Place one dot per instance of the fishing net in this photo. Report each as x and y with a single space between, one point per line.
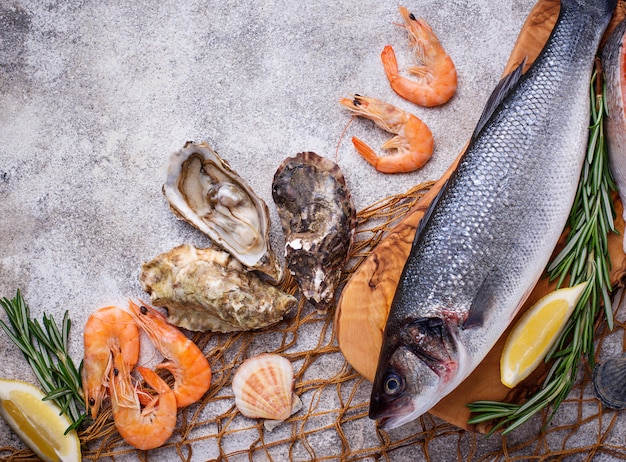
333 424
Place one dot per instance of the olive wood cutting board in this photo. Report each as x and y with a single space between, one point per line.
364 304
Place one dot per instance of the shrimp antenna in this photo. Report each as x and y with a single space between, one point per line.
343 133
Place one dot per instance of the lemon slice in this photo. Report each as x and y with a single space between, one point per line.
534 334
38 423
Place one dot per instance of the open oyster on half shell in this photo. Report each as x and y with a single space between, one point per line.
319 220
205 191
207 289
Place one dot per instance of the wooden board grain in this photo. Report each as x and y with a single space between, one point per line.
364 304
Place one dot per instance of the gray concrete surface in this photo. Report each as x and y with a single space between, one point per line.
95 95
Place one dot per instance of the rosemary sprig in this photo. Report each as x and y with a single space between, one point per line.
584 258
47 352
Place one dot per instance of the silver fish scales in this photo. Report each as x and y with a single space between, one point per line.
487 237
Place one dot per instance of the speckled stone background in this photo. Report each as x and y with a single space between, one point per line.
95 96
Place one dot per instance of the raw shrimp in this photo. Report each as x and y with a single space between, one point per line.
146 428
105 328
190 368
436 79
413 141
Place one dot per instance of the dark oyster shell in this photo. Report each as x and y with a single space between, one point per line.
609 382
319 220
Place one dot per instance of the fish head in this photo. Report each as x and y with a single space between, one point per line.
418 360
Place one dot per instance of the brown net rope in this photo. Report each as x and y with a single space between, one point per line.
333 424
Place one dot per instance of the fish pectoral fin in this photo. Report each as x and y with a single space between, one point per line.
500 92
479 307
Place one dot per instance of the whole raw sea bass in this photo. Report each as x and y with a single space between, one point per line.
487 237
614 65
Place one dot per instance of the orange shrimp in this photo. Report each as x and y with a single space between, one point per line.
148 428
413 141
435 72
105 328
185 361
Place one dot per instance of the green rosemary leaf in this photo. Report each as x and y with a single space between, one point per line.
37 331
608 311
67 324
592 144
565 252
15 339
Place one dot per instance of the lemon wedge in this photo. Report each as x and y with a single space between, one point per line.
38 423
535 333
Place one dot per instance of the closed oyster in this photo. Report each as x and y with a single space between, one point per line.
206 289
205 191
263 388
318 219
609 382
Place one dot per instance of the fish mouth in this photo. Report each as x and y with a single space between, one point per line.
388 423
404 410
393 414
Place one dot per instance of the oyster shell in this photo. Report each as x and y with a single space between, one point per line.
263 388
319 219
207 289
609 382
205 191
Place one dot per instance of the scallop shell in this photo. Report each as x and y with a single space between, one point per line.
263 388
207 289
205 191
609 382
319 220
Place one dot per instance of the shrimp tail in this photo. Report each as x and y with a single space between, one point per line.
365 151
153 380
390 64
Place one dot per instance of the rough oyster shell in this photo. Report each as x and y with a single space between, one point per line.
206 289
609 382
318 219
205 191
263 388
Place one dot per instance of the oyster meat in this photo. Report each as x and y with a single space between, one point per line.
207 289
319 220
205 191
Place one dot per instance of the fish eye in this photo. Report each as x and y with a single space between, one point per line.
143 309
393 384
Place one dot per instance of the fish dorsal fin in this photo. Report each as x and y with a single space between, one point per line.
499 93
429 211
